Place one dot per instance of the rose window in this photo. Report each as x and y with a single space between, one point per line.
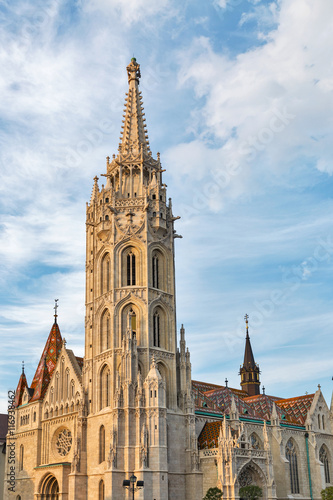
64 442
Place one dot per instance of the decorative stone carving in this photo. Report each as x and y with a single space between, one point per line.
64 442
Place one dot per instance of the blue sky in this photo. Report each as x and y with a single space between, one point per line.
238 100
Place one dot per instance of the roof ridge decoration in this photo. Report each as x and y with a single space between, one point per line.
134 134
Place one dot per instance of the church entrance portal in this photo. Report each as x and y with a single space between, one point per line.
49 488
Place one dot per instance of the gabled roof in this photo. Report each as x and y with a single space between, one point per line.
262 404
22 384
47 362
223 399
295 409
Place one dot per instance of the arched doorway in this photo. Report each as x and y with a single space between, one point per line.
252 474
49 488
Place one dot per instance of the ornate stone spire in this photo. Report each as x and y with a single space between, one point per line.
134 135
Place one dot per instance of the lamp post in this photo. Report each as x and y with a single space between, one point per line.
132 484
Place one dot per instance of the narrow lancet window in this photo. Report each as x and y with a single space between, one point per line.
291 456
323 457
131 269
156 330
101 444
155 272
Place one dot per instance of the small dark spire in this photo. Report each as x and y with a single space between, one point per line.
249 372
226 382
263 390
22 367
55 309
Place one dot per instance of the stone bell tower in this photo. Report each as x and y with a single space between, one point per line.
137 384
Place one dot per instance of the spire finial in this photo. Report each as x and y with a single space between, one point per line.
263 390
226 382
22 367
55 309
246 317
133 71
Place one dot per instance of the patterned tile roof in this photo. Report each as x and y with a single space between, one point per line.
47 362
262 404
20 389
223 398
209 435
295 409
42 384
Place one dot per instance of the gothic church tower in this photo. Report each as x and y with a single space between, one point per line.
137 386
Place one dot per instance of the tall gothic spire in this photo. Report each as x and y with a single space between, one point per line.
249 372
134 135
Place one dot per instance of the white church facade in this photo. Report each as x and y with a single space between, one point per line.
130 406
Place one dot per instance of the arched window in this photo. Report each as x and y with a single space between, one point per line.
323 457
67 383
318 421
155 271
255 441
131 271
291 456
105 331
323 421
21 458
156 329
105 273
101 444
105 388
101 490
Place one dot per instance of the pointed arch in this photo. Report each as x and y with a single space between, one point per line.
131 319
160 329
130 259
21 457
159 272
291 456
105 387
101 490
101 444
324 459
105 273
105 330
255 441
49 488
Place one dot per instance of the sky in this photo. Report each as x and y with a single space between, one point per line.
238 97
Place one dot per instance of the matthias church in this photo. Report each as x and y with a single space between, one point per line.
130 408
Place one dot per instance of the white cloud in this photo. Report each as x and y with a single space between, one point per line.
273 103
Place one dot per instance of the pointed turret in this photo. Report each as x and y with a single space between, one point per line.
134 135
20 388
249 372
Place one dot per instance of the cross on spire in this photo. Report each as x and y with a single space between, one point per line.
55 309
